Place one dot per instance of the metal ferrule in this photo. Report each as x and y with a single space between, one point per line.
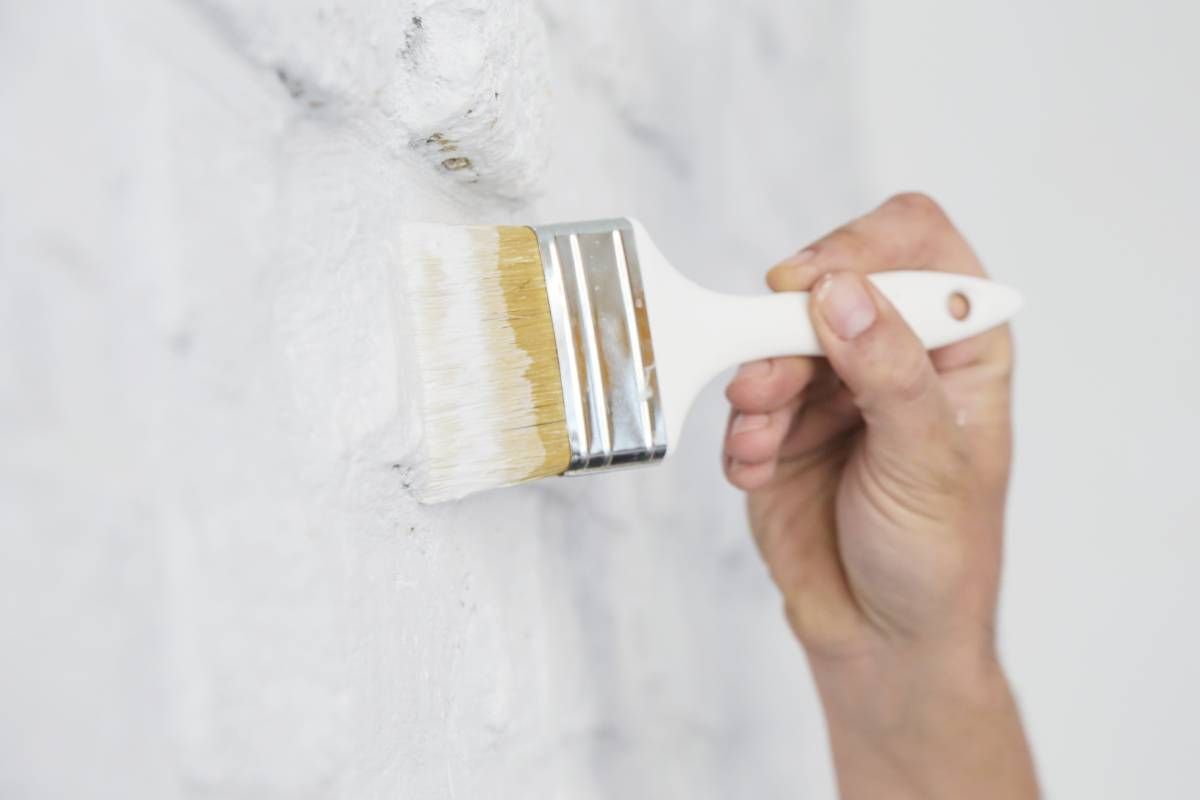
605 354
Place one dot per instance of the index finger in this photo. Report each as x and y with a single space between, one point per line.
909 231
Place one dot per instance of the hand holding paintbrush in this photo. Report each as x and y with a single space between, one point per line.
876 473
876 480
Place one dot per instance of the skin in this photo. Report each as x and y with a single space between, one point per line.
876 481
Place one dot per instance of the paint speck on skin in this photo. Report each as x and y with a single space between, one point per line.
960 418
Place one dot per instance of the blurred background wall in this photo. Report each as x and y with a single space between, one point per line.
214 581
1063 137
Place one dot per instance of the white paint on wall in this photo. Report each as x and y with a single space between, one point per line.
215 582
461 83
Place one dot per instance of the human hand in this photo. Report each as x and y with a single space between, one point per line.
876 482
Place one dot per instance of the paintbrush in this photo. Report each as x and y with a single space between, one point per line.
568 349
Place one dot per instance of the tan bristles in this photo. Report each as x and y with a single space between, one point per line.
491 390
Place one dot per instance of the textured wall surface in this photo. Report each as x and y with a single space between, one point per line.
214 581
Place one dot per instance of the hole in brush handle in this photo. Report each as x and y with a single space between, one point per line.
959 305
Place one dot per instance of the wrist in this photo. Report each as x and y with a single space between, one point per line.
882 687
926 722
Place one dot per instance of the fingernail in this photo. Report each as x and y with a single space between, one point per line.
845 304
748 422
754 369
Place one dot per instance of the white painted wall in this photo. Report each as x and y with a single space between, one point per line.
1063 137
214 583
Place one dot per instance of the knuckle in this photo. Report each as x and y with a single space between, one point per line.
919 207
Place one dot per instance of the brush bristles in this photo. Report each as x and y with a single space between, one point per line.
491 388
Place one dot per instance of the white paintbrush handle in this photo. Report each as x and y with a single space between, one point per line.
778 325
699 333
696 333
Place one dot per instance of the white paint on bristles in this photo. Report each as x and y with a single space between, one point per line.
478 422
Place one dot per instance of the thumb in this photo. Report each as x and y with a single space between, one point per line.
884 365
